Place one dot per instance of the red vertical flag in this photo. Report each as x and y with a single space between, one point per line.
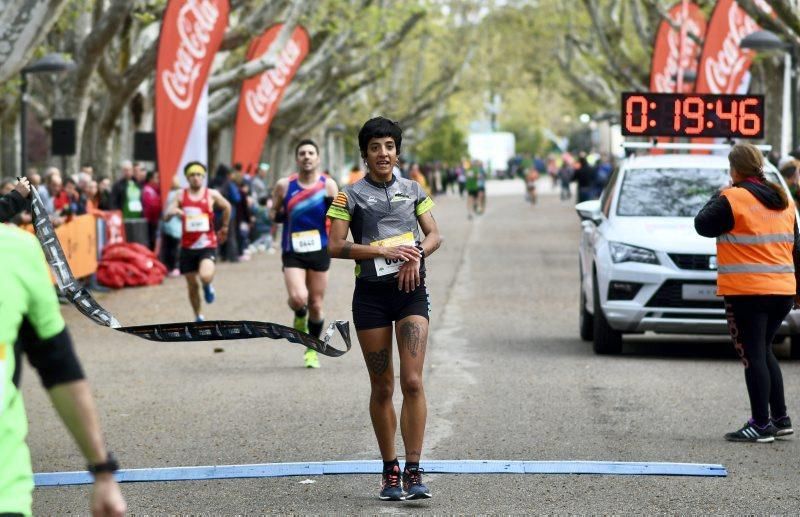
191 33
724 65
261 94
667 58
674 50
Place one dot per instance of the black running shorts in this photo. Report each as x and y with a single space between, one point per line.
189 261
314 260
378 304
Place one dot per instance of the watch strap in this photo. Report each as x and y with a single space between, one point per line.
110 465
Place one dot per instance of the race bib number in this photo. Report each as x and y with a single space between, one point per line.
196 220
134 205
384 266
306 242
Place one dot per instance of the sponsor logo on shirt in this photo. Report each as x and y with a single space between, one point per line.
400 197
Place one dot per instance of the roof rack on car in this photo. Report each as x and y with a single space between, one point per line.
685 146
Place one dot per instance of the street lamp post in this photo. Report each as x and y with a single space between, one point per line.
766 41
49 63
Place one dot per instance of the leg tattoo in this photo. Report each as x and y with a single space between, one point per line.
411 337
377 362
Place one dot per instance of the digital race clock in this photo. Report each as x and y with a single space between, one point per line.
692 115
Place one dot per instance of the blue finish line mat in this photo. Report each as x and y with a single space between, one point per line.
267 470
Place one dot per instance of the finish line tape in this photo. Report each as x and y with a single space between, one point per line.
169 332
269 470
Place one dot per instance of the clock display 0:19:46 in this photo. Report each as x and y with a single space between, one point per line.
693 115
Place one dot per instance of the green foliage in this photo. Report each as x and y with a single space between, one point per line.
444 142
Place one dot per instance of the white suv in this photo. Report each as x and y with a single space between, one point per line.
643 267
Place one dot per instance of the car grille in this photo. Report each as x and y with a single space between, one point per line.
670 295
693 262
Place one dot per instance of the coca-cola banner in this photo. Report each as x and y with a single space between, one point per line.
724 66
261 94
667 58
191 34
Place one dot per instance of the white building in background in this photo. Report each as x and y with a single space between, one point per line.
494 149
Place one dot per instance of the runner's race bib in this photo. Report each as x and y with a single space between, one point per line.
384 266
196 220
134 205
306 242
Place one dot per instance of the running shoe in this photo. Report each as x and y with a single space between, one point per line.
311 359
209 293
390 485
783 426
200 318
301 324
413 485
753 433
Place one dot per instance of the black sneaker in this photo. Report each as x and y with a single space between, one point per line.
390 485
783 426
753 433
413 485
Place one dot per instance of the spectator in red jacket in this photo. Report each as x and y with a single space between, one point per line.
151 206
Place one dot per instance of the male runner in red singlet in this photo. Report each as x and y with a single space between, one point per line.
196 205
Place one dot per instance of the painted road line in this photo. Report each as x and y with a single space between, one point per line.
265 470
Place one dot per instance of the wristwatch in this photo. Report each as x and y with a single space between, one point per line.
110 465
421 251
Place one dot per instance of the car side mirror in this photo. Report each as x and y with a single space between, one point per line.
590 211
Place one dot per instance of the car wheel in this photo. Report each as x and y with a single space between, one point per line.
607 341
794 349
586 320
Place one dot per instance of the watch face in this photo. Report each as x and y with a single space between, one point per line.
692 115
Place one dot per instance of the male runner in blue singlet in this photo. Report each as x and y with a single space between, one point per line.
300 202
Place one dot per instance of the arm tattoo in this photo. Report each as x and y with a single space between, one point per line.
411 338
377 362
346 247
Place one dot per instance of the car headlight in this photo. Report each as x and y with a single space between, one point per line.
627 253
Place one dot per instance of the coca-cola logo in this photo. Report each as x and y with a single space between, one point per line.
723 70
195 23
664 79
260 100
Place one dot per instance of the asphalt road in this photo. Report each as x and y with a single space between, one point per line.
507 378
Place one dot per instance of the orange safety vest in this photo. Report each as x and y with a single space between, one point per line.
755 257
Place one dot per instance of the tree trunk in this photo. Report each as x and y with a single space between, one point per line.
9 145
768 80
278 153
23 26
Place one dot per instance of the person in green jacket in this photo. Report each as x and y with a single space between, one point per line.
31 324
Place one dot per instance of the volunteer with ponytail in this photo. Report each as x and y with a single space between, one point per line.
758 262
198 255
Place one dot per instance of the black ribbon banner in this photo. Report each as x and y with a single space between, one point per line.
169 332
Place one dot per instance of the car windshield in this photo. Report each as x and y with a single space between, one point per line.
668 192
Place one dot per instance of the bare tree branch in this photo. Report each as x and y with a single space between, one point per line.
23 26
654 4
622 66
646 36
780 24
265 62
